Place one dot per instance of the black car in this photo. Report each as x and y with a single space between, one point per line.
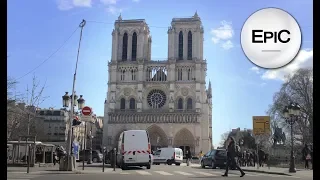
214 158
96 155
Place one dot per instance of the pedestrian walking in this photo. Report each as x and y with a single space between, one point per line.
188 156
231 154
306 155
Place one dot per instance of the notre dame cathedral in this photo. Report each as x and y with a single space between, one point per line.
168 98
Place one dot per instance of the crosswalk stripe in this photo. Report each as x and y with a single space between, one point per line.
163 173
124 173
143 172
17 179
251 175
183 173
205 174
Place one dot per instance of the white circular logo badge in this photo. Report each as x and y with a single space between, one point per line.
271 38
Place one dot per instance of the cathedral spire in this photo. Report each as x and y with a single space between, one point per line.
120 17
196 15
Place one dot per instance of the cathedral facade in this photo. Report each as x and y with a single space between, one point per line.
168 98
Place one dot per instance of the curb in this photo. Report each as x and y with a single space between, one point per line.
266 172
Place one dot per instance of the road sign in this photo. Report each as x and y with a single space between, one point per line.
86 111
261 125
86 118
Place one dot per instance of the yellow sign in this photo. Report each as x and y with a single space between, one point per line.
261 125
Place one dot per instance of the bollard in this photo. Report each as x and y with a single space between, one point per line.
28 159
103 158
114 159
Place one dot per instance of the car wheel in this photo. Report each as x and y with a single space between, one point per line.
202 164
95 160
213 166
169 162
177 164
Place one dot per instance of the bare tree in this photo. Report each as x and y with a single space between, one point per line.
297 88
22 119
224 138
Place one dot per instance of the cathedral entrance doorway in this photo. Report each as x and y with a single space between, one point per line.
157 136
185 140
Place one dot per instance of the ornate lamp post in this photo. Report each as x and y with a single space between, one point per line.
291 114
73 103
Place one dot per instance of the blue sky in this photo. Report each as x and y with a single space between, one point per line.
240 90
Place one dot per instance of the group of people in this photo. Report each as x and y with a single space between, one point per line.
251 158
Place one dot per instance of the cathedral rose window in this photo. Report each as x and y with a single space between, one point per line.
156 98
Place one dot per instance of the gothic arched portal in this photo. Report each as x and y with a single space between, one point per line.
158 137
184 139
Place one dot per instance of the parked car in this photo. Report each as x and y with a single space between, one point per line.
215 158
97 156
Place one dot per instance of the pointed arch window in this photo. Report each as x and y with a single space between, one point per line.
134 46
180 45
132 104
189 74
189 45
189 103
125 47
122 103
180 103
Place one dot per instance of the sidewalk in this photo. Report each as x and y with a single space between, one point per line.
279 171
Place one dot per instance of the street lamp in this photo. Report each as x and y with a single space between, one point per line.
291 114
66 103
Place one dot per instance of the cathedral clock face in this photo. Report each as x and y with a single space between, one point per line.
156 98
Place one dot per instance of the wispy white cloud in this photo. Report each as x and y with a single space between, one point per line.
114 10
70 4
223 35
304 59
108 2
256 70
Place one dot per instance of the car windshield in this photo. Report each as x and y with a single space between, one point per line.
157 153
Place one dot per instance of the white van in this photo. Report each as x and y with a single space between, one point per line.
168 156
134 149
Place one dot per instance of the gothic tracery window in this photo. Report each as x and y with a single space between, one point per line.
122 103
189 45
134 46
189 103
133 74
132 103
125 47
180 45
156 98
180 103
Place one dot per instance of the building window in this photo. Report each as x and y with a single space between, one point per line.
189 103
124 47
179 74
132 103
180 45
189 74
123 104
189 45
133 73
180 103
134 46
122 75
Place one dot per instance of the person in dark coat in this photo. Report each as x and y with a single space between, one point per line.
231 154
306 155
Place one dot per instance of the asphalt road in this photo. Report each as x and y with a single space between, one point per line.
156 172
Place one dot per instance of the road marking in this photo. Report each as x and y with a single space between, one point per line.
251 174
17 179
206 174
124 173
163 173
183 173
143 173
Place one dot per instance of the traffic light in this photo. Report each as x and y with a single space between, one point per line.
76 121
